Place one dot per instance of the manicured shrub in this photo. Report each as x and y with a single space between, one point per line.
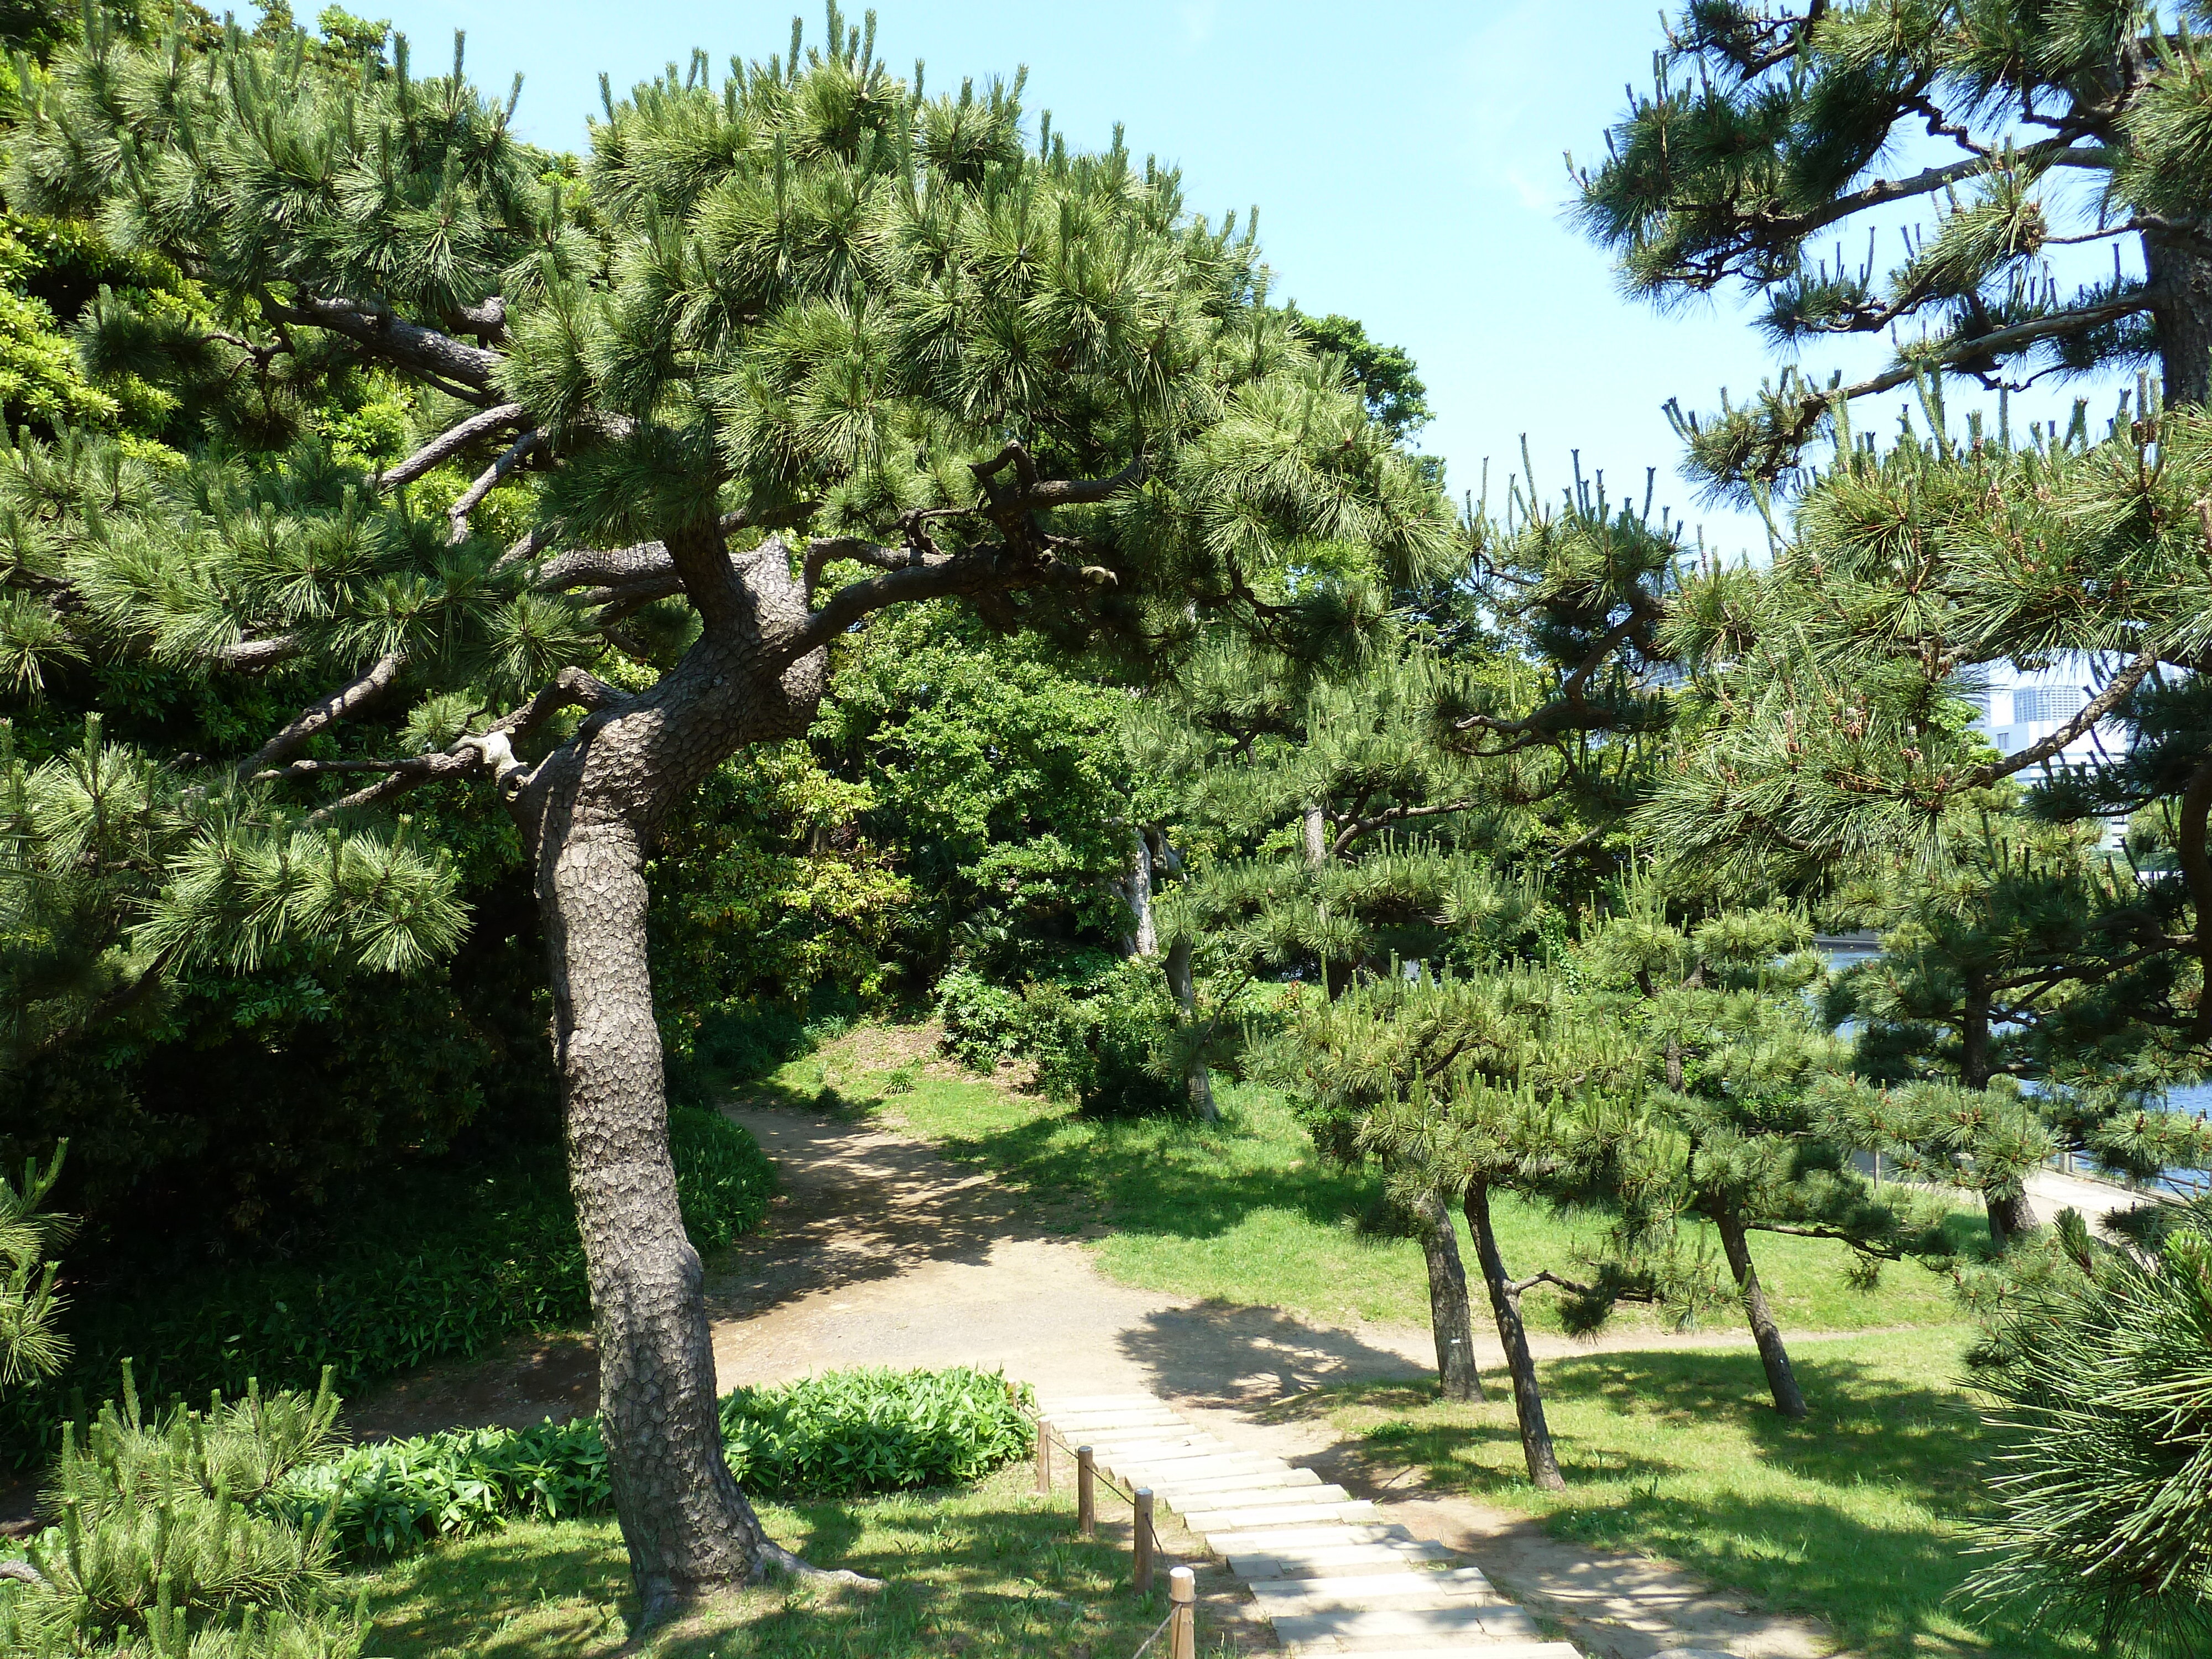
1100 1031
847 1432
837 1434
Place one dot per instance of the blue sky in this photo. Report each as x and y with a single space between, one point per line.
1407 159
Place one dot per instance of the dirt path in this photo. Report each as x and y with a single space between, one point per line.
879 1252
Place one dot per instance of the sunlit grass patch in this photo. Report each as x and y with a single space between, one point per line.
1859 1515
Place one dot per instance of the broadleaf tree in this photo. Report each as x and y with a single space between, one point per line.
790 348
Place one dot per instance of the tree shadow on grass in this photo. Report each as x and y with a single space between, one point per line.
570 1584
1864 1425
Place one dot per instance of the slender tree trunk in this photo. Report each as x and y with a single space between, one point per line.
2189 848
1780 1380
1451 1317
1505 1303
2180 271
2009 1216
1183 984
589 811
1144 938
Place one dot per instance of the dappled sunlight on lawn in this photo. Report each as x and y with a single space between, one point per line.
1246 1211
989 1571
1856 1514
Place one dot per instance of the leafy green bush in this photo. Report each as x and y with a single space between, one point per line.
836 1435
1107 1046
441 1266
390 1496
846 1432
1101 1031
723 1179
982 1021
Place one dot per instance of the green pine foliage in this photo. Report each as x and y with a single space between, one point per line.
32 1345
1774 132
165 1539
2099 1379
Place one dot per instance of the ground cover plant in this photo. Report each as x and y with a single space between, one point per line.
840 1434
1864 1514
1247 1211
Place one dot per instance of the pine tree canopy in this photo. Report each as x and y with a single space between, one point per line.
810 296
1771 127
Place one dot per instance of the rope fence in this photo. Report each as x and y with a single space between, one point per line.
1180 1626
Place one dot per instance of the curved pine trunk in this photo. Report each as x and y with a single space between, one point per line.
1781 1379
2010 1216
590 812
688 1528
1505 1303
1451 1316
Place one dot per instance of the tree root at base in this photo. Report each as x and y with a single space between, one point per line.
775 1559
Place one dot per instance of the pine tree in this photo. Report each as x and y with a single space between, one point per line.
787 351
1771 126
1747 1121
1466 1086
2098 1379
1836 746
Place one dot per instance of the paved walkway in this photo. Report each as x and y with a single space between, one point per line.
1324 1568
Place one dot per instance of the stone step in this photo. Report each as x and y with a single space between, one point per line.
1171 1486
1242 1466
1351 1631
1070 1422
1098 1402
1402 1588
1330 1559
1251 1498
1128 1440
1327 1536
1275 1514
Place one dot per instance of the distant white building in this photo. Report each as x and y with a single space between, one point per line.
2019 708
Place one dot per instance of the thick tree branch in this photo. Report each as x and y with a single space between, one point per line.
457 515
447 444
492 750
936 577
468 368
2123 684
251 656
1358 827
345 701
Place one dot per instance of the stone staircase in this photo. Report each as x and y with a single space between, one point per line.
1329 1576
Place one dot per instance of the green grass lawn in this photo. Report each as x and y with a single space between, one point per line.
1246 1211
992 1571
1856 1515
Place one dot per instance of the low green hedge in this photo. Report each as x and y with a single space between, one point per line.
838 1435
846 1432
441 1265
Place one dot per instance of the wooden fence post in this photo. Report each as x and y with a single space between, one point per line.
1141 1569
1086 1494
1044 1455
1182 1614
